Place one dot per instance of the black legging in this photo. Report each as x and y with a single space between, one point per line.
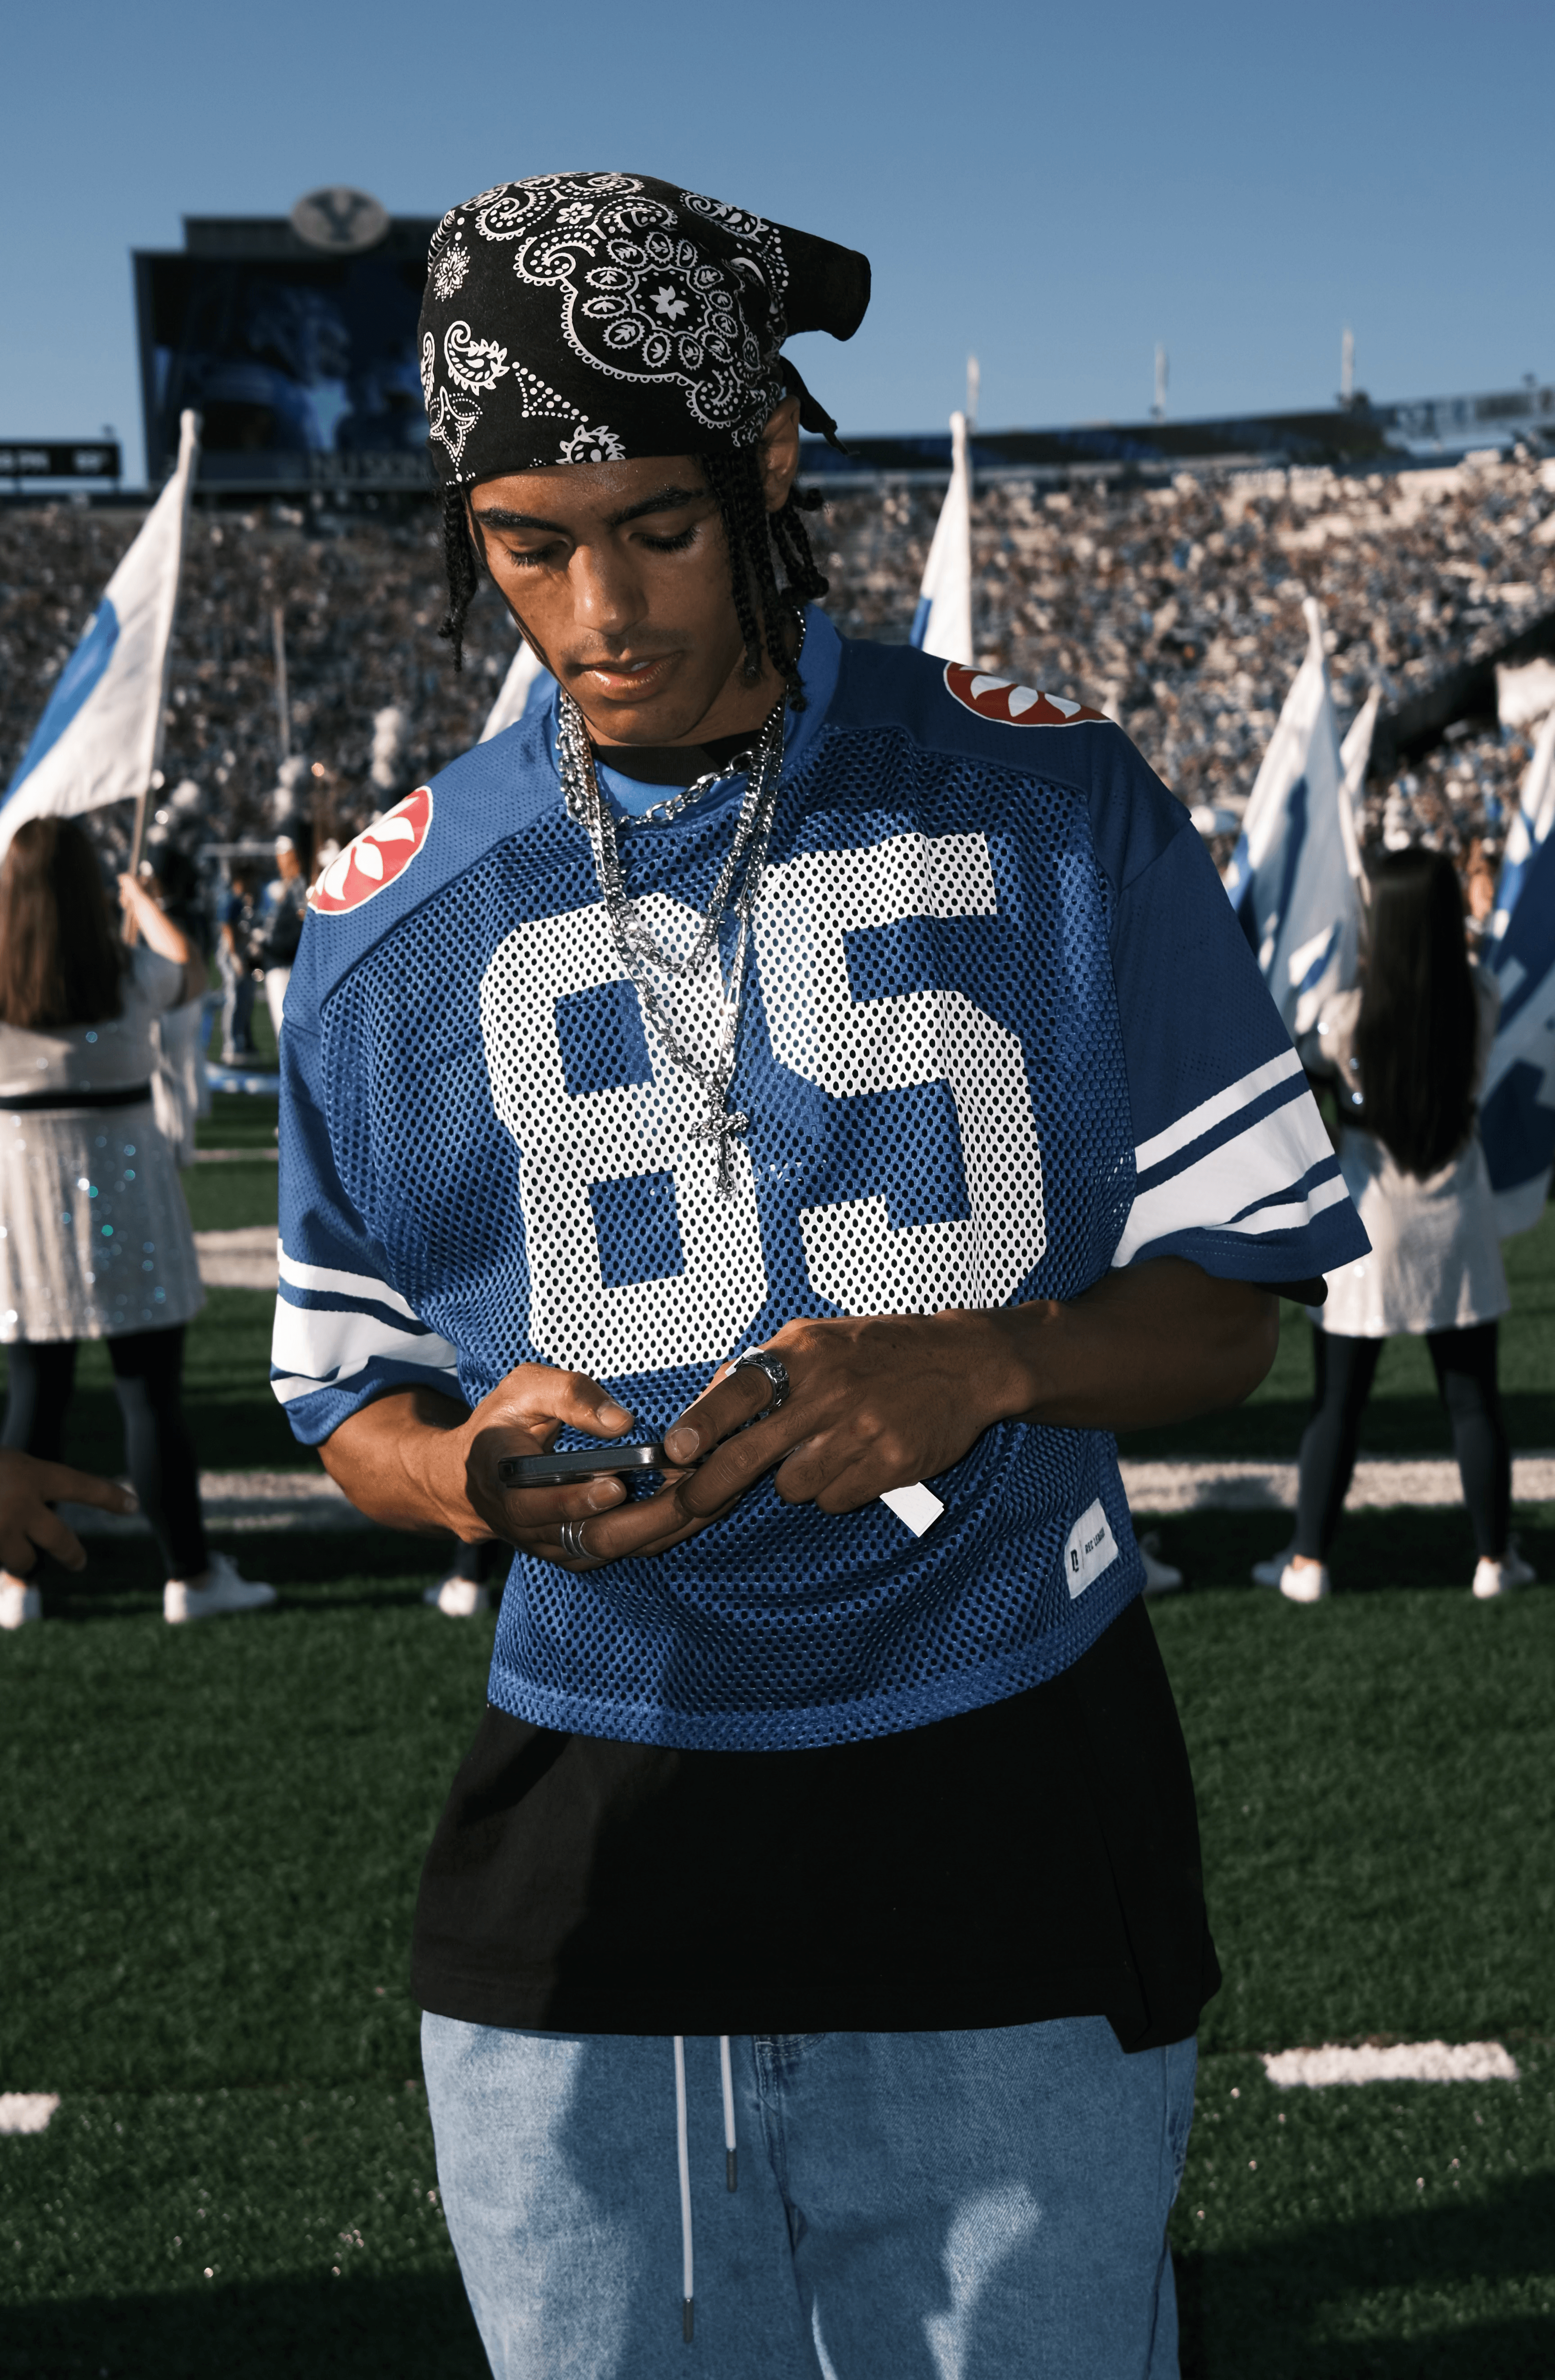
158 1450
1465 1374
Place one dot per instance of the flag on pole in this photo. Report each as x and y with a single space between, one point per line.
1517 1103
1529 829
942 625
100 736
526 686
1293 876
1355 758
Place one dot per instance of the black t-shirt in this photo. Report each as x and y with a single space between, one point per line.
1035 1859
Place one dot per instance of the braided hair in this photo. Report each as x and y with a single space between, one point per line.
758 540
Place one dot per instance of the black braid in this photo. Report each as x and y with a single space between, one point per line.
459 557
752 533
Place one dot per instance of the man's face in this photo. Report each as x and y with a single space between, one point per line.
288 864
619 574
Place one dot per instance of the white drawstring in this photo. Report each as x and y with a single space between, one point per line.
687 2271
683 2158
731 2150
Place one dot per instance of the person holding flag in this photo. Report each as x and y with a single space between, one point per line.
847 1068
1406 1052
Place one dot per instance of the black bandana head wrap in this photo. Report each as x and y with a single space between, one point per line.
595 317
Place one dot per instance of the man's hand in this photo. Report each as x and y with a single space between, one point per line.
418 1461
28 1487
876 1402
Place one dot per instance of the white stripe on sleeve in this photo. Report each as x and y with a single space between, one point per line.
325 1348
1290 1214
334 1283
1210 1113
1255 1168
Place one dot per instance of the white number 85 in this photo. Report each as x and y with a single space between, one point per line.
571 1143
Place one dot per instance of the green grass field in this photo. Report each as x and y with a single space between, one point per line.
214 1843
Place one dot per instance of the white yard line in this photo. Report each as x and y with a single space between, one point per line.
245 1258
1402 2062
1253 1487
280 1499
27 2111
242 1499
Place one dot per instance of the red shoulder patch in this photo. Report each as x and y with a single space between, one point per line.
381 853
1016 706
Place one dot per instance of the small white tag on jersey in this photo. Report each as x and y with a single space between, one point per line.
917 1507
1090 1548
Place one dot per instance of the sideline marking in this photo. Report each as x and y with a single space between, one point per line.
1403 2061
27 2111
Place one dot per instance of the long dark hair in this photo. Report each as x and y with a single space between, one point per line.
60 960
1414 1040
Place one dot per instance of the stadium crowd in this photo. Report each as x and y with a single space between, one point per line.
1177 609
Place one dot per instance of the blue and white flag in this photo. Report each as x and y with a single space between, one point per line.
526 686
942 624
1529 829
1293 876
101 732
1517 1103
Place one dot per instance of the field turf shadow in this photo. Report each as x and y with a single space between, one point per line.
388 2326
1256 2309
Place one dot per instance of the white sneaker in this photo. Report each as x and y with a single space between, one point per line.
1494 1578
18 1602
1305 1583
457 1598
1271 1573
1161 1578
223 1592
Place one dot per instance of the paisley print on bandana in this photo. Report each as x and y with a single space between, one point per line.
536 290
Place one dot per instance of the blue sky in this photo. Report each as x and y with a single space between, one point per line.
1056 188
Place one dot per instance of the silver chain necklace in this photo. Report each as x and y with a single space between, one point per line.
641 951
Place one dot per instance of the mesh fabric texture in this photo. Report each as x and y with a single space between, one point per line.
932 1063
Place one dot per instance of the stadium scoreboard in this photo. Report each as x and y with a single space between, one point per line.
294 338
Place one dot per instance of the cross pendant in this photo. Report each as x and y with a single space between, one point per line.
720 1125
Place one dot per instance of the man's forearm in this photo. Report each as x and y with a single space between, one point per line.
1153 1343
392 1459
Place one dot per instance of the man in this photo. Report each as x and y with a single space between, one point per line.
884 1028
285 907
235 957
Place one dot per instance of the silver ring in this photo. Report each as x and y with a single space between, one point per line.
772 1369
572 1540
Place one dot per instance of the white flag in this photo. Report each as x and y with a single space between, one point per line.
1529 829
526 686
101 732
1517 1101
942 625
1354 757
1289 877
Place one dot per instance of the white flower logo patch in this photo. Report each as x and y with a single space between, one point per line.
380 855
1015 705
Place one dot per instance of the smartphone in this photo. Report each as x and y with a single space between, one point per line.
584 1463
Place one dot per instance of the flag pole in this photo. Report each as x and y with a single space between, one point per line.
282 697
188 456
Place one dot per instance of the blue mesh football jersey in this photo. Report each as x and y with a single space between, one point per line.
1002 1031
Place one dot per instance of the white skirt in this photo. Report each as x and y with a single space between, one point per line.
95 1240
1436 1258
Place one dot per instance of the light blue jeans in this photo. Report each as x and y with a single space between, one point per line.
911 2205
